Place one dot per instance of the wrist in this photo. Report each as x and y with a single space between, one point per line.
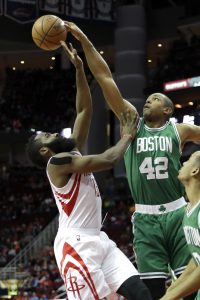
128 135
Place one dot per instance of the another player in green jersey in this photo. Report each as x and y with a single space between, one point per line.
152 165
189 281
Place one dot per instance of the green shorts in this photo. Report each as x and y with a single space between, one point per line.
159 243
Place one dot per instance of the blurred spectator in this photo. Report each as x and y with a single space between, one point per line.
33 98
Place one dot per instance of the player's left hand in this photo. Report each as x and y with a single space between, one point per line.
128 123
72 55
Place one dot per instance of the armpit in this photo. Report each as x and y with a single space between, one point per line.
60 160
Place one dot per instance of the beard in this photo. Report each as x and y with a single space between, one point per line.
61 144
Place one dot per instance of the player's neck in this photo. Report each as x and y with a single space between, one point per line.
155 123
193 192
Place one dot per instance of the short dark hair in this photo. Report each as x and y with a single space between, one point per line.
32 149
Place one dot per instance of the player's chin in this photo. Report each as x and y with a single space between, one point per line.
146 108
180 177
146 112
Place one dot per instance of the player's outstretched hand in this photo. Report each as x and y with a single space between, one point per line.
128 123
72 54
75 30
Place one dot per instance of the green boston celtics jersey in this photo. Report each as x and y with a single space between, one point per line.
191 226
152 164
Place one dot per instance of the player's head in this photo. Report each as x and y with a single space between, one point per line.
158 107
190 169
42 146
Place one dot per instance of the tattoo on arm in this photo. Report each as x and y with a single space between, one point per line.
60 160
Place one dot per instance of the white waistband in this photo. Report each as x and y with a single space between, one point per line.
161 208
70 231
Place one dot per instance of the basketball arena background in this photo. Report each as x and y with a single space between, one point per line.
150 46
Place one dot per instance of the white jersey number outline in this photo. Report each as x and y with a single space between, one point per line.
157 169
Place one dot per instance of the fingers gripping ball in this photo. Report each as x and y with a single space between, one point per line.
48 31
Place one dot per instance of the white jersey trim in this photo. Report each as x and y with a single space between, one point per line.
190 210
156 129
139 124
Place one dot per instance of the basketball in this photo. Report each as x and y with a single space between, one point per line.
48 31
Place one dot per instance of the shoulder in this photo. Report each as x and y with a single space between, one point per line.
181 126
182 129
185 127
188 132
64 157
59 169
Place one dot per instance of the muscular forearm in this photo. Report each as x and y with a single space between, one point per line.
83 95
96 63
116 153
102 74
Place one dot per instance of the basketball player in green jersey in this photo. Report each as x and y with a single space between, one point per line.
152 165
189 281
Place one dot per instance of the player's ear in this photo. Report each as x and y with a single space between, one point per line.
168 111
195 171
43 151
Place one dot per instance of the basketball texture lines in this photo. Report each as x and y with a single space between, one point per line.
48 31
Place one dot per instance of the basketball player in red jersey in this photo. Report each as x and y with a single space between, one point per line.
90 264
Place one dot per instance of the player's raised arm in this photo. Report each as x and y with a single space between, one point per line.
83 99
101 72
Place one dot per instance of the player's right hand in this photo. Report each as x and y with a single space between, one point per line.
75 30
128 123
